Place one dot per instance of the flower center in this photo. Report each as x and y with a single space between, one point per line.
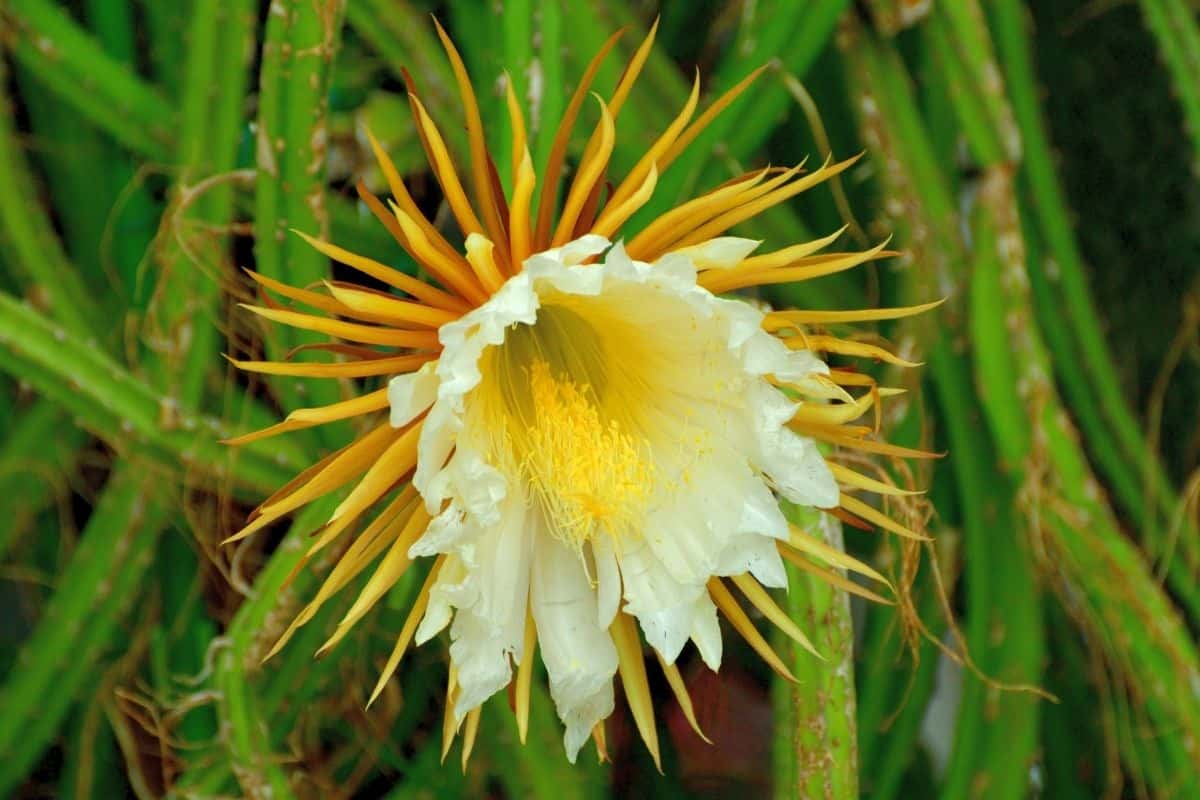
562 405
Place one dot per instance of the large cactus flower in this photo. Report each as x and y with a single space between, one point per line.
582 432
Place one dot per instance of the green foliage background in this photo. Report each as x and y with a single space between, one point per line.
1036 161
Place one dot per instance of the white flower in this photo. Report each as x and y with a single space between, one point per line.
583 439
601 436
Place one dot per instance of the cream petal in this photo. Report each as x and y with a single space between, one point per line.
579 655
582 249
437 614
706 632
676 274
443 533
755 554
473 483
488 633
760 512
662 605
465 339
799 472
687 532
794 463
798 366
409 395
722 252
743 321
437 440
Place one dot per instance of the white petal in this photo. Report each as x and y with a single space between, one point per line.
662 605
800 473
443 533
472 482
722 252
760 512
579 655
794 463
706 632
438 437
755 554
438 613
409 395
489 633
798 365
465 339
583 248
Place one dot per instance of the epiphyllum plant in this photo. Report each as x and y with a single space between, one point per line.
584 436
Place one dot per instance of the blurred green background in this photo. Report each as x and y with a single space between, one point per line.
1036 160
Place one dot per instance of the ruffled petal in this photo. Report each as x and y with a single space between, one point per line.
706 632
488 633
409 395
662 605
579 655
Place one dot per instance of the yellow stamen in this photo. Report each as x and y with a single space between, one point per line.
590 476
